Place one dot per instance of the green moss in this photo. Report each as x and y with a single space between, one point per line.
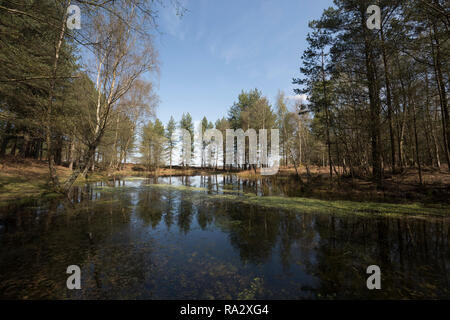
135 178
106 188
155 186
95 177
256 287
116 189
170 186
108 201
232 191
21 199
338 207
17 189
227 223
52 195
312 205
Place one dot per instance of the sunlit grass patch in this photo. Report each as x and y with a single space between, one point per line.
105 188
135 178
175 187
344 207
311 205
232 191
115 189
107 201
14 188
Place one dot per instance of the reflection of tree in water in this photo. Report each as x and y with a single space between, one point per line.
204 211
118 264
169 209
413 254
413 263
150 207
296 228
204 217
118 261
185 208
207 182
125 268
155 204
45 242
253 231
185 212
337 250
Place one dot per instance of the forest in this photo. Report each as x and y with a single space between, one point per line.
376 99
89 168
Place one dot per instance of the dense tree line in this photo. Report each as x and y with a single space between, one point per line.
74 96
379 97
376 99
251 111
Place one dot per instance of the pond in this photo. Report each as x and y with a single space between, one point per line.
219 237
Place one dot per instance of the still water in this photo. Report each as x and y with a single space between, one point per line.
192 238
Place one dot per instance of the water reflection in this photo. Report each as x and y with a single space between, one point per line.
182 238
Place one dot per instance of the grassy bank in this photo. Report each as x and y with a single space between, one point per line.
22 179
401 187
300 204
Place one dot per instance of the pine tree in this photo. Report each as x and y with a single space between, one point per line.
170 139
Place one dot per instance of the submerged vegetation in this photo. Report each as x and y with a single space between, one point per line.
357 110
29 180
184 238
295 204
89 175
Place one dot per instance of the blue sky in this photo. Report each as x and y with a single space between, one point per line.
219 48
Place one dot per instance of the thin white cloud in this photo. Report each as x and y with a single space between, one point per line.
298 97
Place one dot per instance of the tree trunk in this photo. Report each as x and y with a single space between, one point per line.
388 99
49 111
5 139
327 115
442 93
374 102
71 153
416 140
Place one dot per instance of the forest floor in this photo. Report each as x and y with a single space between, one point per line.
401 187
22 179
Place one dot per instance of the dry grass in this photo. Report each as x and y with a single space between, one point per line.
25 178
404 186
430 176
128 171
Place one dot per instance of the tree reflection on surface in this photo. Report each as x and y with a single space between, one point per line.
183 238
